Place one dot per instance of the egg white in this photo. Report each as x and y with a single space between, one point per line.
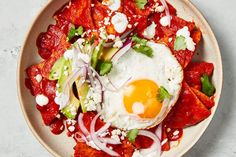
162 68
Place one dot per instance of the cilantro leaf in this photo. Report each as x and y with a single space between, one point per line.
138 40
163 94
141 46
141 3
132 134
104 67
207 87
180 43
146 50
75 32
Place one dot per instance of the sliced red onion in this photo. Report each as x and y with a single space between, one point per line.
81 124
122 37
96 141
167 11
121 52
103 128
91 77
109 140
158 131
156 146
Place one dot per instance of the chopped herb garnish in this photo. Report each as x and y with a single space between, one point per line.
132 134
141 3
104 67
163 94
75 32
141 46
180 43
207 87
146 50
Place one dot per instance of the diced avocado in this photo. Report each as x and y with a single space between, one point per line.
97 54
56 71
83 92
70 111
61 81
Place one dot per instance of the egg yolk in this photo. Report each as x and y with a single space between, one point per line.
140 98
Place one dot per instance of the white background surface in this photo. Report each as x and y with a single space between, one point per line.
16 140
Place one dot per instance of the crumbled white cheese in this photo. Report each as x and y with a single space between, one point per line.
103 33
38 78
138 108
189 41
165 21
129 26
118 43
164 141
93 99
41 100
120 22
61 100
112 37
106 21
70 122
176 132
115 134
150 31
71 128
113 5
159 9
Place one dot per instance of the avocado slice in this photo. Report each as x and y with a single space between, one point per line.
82 93
61 81
108 52
97 54
56 70
70 111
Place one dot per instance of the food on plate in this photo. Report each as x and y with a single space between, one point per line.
118 75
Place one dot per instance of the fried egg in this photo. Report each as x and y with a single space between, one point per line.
135 105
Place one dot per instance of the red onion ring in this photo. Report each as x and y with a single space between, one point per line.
96 141
121 52
81 124
122 37
156 146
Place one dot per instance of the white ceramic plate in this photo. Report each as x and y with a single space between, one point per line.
62 146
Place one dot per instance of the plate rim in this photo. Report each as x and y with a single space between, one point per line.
19 84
